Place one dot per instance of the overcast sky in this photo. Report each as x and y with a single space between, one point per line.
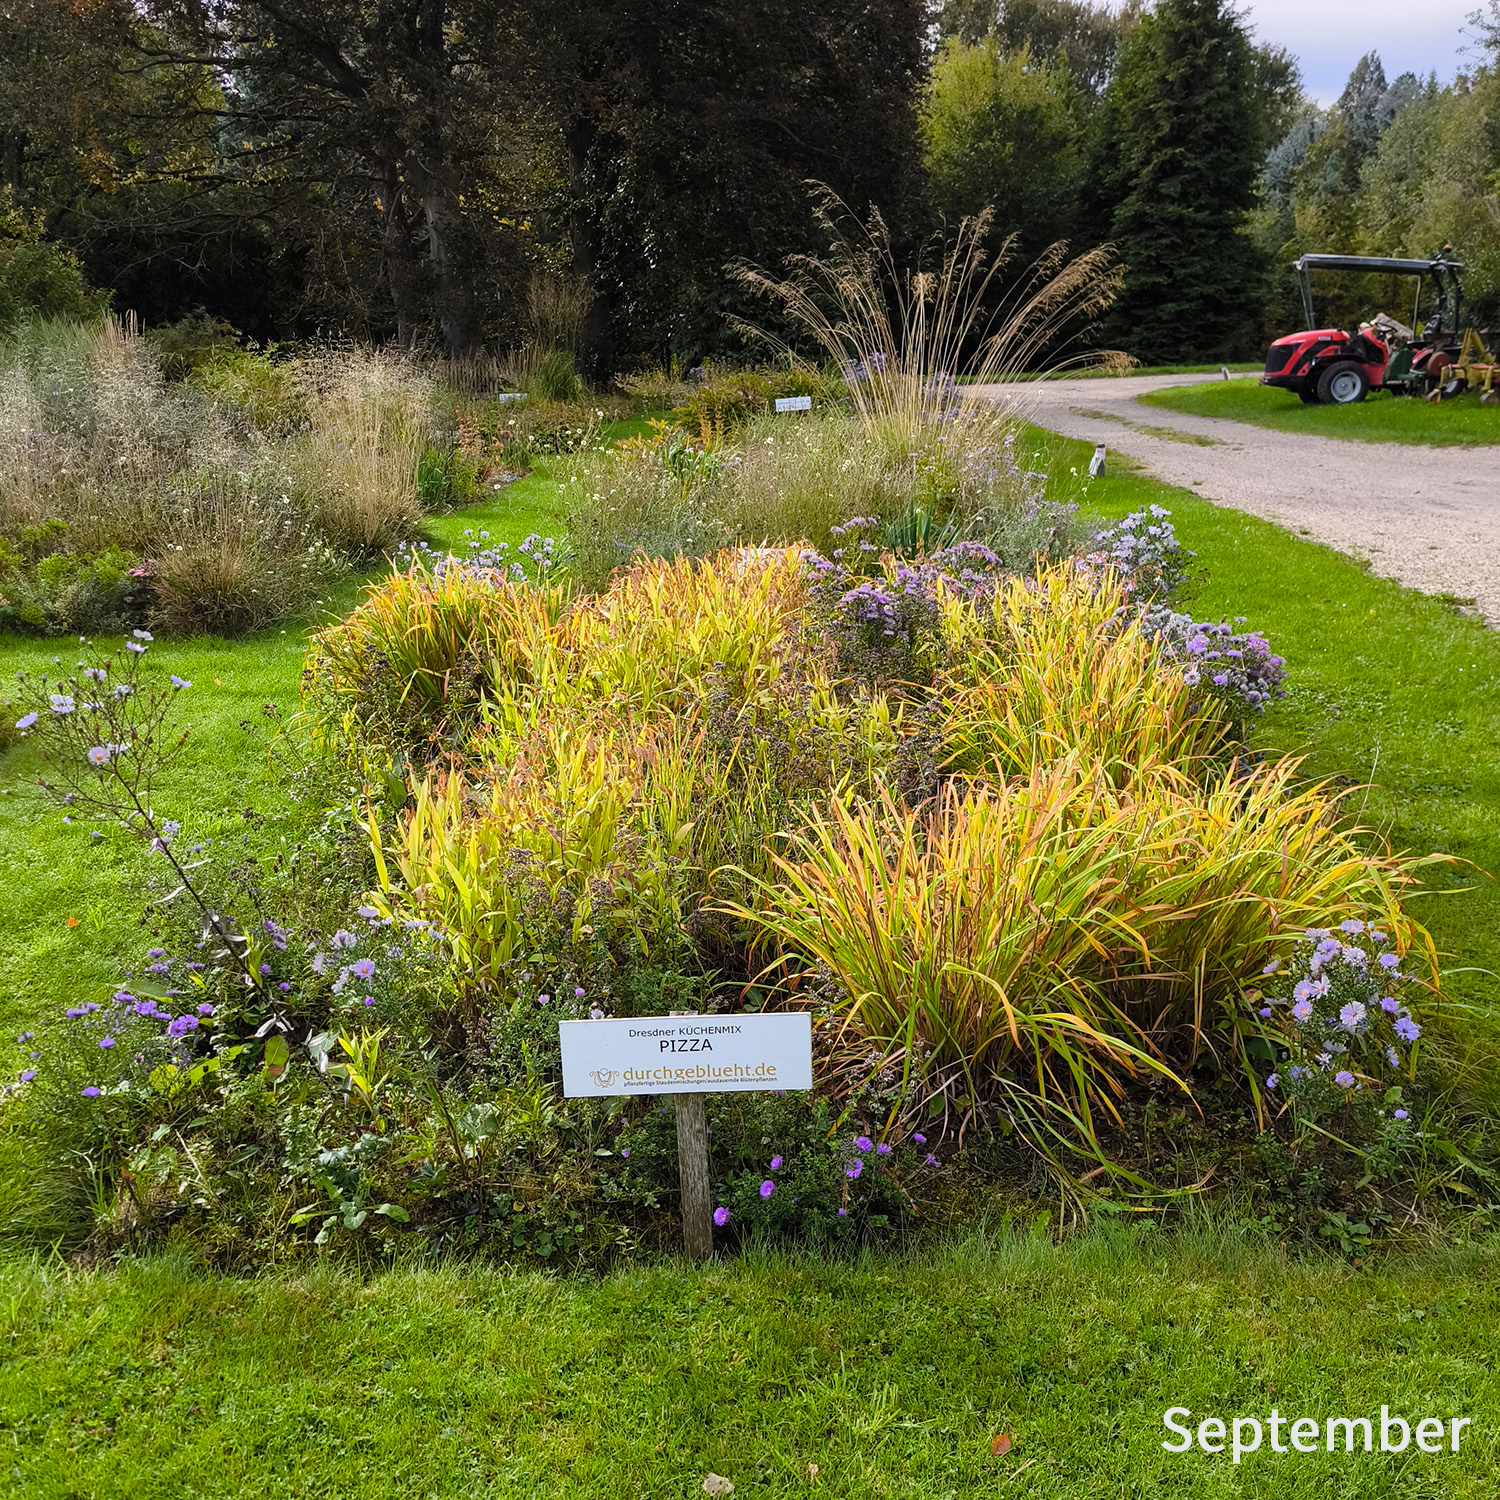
1330 36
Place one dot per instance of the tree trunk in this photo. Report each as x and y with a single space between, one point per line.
403 273
452 271
595 340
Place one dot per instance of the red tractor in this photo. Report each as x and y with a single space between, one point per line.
1332 366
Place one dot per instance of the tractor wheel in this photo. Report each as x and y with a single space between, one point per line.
1342 384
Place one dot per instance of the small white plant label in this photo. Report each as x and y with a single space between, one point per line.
687 1054
794 403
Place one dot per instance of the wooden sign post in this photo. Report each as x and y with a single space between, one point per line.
687 1056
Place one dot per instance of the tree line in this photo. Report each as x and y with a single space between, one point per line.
465 174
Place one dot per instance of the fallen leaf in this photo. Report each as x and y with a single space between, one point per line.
1001 1445
812 1472
717 1484
72 921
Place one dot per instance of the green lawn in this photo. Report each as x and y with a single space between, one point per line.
1377 419
891 1375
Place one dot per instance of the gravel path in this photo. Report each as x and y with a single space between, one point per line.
1428 517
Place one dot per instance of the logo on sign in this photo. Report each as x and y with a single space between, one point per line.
603 1077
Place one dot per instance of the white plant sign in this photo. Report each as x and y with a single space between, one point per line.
686 1054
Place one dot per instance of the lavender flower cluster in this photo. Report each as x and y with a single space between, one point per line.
859 1153
1239 668
881 618
1343 1020
532 559
371 964
1144 550
111 1049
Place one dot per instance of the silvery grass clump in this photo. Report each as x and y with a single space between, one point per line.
1349 1030
222 522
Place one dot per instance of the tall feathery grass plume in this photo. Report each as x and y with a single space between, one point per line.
906 334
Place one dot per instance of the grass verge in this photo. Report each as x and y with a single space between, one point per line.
1378 419
890 1376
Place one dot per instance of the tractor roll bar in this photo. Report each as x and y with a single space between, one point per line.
1444 273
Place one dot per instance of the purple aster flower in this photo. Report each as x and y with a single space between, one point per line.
1389 1004
861 1143
106 1042
91 1092
1389 960
1272 967
1272 1079
853 1169
363 968
26 721
578 992
370 913
180 682
24 1037
1399 1114
369 1000
721 1217
932 1161
921 1140
1344 1079
60 703
1352 926
343 938
1265 1012
1393 1057
1351 1015
182 1025
843 1213
775 1163
1302 1010
285 986
767 1188
1407 1029
205 1009
27 1074
98 755
625 1152
882 1149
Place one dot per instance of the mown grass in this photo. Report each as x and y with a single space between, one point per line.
888 1376
1377 419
